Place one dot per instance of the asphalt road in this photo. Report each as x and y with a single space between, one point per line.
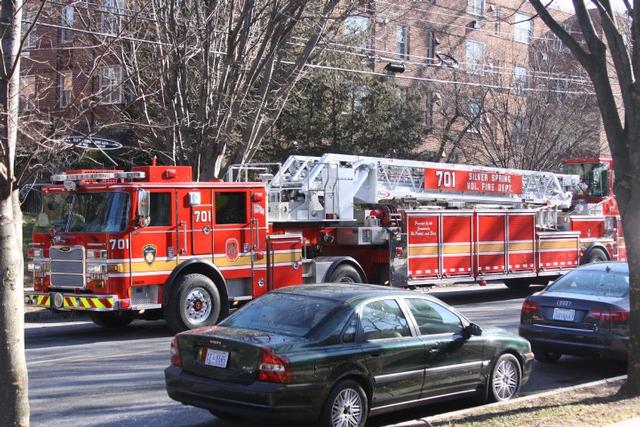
81 375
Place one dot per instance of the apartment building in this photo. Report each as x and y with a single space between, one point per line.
466 56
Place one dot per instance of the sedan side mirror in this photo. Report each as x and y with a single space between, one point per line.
472 329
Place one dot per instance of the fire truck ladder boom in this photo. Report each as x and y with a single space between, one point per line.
308 188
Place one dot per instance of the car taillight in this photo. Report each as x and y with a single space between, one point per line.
609 315
273 368
530 307
176 359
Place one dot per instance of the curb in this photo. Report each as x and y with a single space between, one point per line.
427 421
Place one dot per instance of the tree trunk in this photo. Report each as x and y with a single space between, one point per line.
13 366
631 226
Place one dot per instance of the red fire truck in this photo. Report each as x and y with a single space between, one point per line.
153 243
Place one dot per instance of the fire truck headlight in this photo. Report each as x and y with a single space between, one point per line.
36 252
96 268
33 267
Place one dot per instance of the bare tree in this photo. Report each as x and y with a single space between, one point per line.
13 367
602 38
219 73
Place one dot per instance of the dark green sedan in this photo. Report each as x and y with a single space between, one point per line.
337 353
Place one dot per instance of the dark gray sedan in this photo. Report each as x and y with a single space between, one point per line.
583 313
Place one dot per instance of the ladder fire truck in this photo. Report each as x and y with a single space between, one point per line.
153 243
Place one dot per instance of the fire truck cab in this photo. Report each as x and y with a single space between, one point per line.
152 242
594 212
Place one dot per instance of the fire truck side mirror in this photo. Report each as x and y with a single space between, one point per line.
144 204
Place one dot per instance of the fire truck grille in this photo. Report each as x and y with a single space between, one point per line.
67 266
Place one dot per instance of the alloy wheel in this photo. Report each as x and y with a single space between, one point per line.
346 410
506 379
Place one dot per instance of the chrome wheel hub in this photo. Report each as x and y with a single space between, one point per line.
197 307
505 380
346 410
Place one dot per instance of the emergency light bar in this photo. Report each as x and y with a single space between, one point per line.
99 176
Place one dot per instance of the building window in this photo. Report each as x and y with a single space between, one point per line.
112 11
358 31
28 93
428 112
111 85
432 42
523 30
518 130
520 78
496 19
32 39
68 18
402 42
65 88
473 115
475 7
475 57
561 88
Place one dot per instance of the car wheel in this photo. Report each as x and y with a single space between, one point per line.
112 319
194 302
347 406
505 378
345 274
547 356
596 255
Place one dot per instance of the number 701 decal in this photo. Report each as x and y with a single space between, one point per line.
119 243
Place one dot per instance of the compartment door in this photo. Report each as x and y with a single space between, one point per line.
284 262
457 244
521 247
423 245
490 244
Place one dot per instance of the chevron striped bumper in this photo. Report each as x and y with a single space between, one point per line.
61 301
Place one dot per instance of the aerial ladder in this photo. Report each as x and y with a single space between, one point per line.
331 187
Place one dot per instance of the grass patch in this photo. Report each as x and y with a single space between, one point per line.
593 406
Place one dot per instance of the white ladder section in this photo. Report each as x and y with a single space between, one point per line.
307 188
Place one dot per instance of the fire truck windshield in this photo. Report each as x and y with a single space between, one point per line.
104 212
594 178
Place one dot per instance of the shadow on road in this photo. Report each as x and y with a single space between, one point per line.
87 333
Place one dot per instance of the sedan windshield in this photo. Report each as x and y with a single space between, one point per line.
281 313
600 283
105 212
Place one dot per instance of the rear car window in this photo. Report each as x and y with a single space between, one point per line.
601 283
281 313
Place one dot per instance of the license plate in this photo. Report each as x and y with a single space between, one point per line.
565 314
216 358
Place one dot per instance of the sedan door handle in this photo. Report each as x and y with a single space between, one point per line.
377 354
435 347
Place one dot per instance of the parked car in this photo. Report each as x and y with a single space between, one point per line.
339 352
583 313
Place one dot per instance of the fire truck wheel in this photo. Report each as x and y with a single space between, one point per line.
112 319
345 274
194 302
596 255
